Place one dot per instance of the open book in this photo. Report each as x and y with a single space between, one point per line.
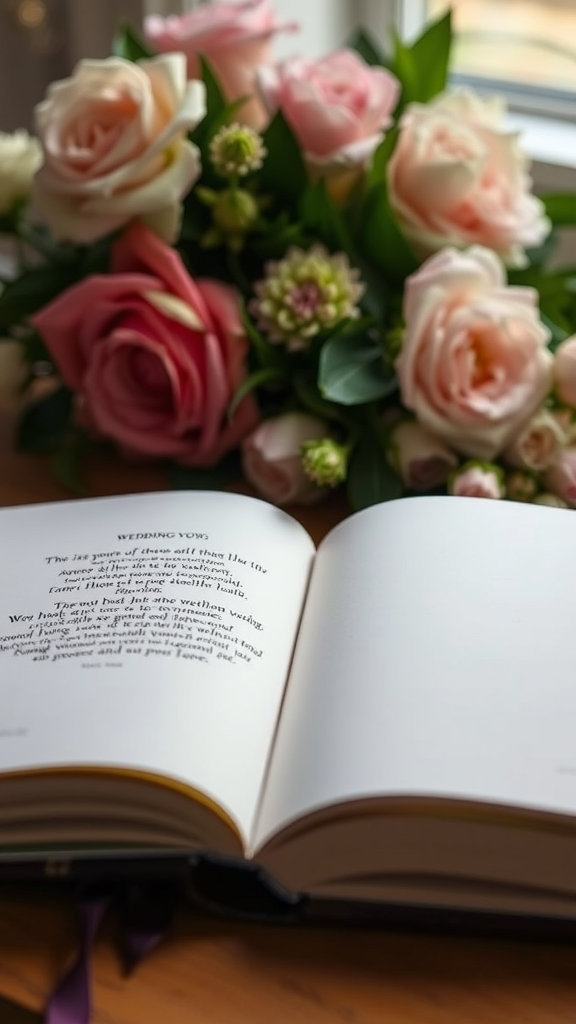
390 718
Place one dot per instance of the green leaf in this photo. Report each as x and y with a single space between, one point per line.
366 46
266 354
561 208
254 380
559 334
309 397
422 68
404 67
44 423
351 371
216 107
431 58
370 479
381 239
377 172
128 45
323 219
283 174
32 290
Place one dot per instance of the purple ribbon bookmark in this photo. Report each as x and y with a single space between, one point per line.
71 1001
146 917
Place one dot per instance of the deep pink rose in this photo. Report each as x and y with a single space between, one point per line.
458 177
474 364
155 356
234 37
338 106
272 461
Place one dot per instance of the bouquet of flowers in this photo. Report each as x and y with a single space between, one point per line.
315 272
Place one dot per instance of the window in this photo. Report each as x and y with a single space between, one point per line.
528 47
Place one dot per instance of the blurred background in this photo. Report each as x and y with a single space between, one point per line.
524 47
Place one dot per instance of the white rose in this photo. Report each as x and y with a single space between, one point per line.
115 147
20 158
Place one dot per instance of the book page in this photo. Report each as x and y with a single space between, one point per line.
436 657
151 632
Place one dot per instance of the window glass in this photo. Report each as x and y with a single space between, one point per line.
529 43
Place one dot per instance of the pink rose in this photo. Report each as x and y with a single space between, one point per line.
474 364
477 481
115 146
538 443
565 371
337 107
456 177
561 477
421 459
155 356
272 462
234 37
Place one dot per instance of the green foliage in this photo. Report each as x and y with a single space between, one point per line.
352 372
283 175
45 422
32 290
370 479
321 219
366 46
561 208
128 45
422 68
380 238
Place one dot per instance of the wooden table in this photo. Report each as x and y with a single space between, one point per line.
214 972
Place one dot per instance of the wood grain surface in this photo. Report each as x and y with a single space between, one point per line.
212 972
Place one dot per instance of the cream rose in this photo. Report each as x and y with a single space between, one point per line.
538 443
560 479
457 177
115 147
272 461
20 158
420 458
474 364
565 371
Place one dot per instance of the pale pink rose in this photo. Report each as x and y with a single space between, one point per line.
538 443
474 364
235 38
338 106
565 371
422 461
115 146
561 477
458 177
477 482
271 458
154 356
